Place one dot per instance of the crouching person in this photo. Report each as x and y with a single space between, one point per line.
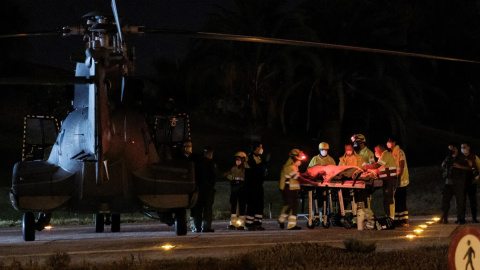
290 180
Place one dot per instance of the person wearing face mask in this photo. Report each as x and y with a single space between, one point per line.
238 198
255 175
359 145
322 159
401 210
471 182
456 169
350 158
387 171
290 180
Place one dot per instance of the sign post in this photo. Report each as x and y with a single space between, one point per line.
464 250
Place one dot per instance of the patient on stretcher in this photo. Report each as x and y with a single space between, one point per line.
331 172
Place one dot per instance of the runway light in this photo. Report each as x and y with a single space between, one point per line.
436 219
167 247
418 231
430 222
410 236
423 226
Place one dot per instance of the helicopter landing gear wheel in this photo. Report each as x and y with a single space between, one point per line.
181 221
115 223
99 223
28 229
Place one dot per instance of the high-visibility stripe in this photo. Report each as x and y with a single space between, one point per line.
294 185
259 216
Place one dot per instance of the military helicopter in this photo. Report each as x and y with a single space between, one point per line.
104 159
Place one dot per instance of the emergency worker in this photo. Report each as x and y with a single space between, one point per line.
238 196
401 210
387 171
359 144
205 176
290 180
255 175
456 169
471 182
322 159
187 150
350 158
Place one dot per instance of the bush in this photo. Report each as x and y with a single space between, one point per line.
354 245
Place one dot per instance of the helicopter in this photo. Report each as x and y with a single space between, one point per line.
106 158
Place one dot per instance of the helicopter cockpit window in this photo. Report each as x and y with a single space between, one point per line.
40 133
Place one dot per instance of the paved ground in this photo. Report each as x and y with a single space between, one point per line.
146 240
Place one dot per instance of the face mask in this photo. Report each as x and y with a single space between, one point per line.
464 151
260 151
238 162
298 163
349 153
377 155
389 145
323 153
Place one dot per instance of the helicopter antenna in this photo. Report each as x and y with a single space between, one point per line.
117 21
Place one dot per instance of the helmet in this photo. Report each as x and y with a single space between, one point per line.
358 138
241 155
297 155
323 145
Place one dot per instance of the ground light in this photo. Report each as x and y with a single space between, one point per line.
436 219
423 226
418 231
430 222
48 227
167 247
410 236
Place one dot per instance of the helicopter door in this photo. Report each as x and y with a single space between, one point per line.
170 132
39 135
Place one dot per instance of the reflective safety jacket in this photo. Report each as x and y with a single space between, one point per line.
353 160
399 155
289 176
388 166
237 176
367 155
321 161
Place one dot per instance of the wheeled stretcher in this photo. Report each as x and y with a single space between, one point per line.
338 181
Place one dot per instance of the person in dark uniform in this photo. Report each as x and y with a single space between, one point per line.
205 177
456 169
471 187
254 177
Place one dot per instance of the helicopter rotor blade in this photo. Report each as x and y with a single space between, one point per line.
256 39
117 21
31 34
46 81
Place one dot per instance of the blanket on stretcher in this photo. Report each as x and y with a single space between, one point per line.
331 172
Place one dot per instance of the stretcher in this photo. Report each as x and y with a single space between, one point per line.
335 183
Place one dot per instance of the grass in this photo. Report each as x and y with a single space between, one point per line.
423 197
281 256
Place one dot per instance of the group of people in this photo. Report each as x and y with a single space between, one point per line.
391 167
461 173
248 174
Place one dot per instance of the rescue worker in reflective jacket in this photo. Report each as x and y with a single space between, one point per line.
254 177
290 180
401 210
322 159
238 196
350 158
359 145
387 171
